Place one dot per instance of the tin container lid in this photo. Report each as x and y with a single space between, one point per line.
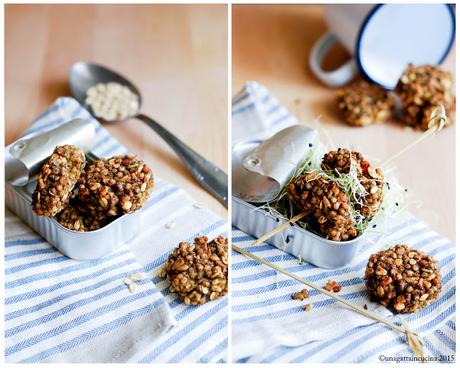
24 158
261 169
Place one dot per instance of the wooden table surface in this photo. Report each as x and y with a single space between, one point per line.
271 45
176 55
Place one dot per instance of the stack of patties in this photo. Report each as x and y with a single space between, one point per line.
87 198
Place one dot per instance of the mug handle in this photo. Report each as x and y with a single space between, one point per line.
334 78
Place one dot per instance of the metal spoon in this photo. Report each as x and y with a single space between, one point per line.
84 75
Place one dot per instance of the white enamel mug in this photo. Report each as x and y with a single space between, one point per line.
383 40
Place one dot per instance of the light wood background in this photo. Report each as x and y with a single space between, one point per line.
271 45
175 54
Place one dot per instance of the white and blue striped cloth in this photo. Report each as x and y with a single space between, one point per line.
269 327
61 310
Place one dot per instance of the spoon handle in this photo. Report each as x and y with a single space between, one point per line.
213 179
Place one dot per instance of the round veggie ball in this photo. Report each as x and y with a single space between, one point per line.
403 279
363 103
198 272
57 179
71 219
326 203
114 186
339 162
421 89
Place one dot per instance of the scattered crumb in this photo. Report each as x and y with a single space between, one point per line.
365 306
136 277
131 281
198 205
332 285
308 307
301 295
132 288
170 224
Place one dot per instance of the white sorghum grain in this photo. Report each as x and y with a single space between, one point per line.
112 101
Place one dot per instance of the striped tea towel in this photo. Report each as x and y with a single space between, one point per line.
60 310
268 326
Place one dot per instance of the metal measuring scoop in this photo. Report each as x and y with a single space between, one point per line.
209 176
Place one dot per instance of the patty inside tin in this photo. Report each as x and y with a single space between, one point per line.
86 195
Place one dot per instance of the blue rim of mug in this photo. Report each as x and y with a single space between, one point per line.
363 27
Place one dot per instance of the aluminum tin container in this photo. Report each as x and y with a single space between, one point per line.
25 157
260 169
73 244
77 245
294 240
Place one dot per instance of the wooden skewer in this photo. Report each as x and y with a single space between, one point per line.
437 121
279 228
414 341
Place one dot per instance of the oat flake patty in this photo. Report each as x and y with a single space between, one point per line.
73 219
371 178
420 90
198 272
114 186
326 204
363 103
403 279
57 179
